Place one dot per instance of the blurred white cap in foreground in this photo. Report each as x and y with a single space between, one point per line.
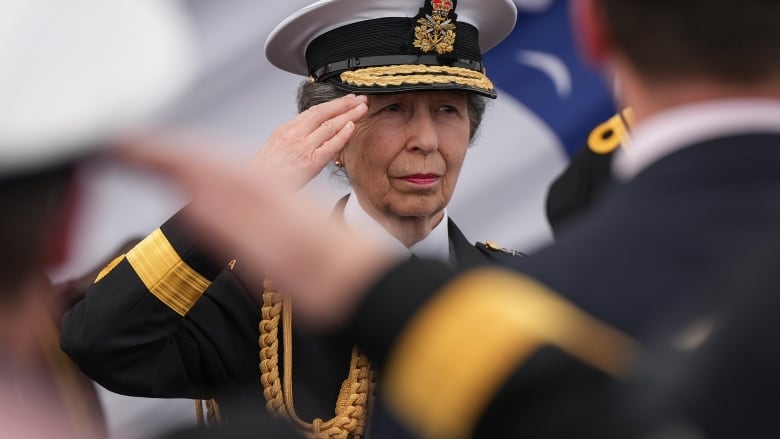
75 73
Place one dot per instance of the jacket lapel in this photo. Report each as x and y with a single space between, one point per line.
462 252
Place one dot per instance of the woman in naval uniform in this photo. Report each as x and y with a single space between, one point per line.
400 84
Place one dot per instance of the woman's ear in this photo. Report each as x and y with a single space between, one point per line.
589 27
60 236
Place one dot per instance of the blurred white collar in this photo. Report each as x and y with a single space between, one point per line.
434 246
679 127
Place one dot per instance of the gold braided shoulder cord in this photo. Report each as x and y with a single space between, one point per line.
355 393
213 413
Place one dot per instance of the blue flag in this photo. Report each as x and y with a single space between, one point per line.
538 65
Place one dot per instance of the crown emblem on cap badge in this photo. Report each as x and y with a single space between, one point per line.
435 30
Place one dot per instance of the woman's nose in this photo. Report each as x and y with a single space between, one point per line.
423 135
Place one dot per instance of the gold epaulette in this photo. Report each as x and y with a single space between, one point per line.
612 133
493 245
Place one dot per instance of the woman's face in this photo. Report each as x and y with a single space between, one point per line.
405 156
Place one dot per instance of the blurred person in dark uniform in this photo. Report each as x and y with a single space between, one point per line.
724 384
402 84
544 352
72 75
588 174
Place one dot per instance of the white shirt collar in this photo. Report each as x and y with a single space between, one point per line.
674 129
434 246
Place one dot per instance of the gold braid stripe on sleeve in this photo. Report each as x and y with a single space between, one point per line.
461 347
165 275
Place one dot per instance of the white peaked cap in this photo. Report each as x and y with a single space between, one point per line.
386 46
74 73
287 43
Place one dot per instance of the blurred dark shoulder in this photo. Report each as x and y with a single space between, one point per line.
589 171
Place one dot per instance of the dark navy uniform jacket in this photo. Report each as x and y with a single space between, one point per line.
174 324
537 353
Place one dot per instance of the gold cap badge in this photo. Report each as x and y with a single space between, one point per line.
435 29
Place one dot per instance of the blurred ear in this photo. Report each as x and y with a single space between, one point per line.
590 30
60 237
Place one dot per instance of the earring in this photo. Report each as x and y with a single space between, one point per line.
339 164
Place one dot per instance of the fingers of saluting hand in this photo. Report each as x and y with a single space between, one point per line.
300 148
326 124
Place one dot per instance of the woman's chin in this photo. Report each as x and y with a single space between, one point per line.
419 209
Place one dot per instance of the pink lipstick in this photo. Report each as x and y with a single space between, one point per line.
421 179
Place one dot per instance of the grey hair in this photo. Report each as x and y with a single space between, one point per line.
312 93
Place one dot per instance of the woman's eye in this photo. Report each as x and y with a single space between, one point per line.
392 107
448 109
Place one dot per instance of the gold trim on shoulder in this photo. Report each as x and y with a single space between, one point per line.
447 342
396 75
109 268
612 133
493 245
165 275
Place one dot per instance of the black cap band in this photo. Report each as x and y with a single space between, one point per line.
380 41
326 71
